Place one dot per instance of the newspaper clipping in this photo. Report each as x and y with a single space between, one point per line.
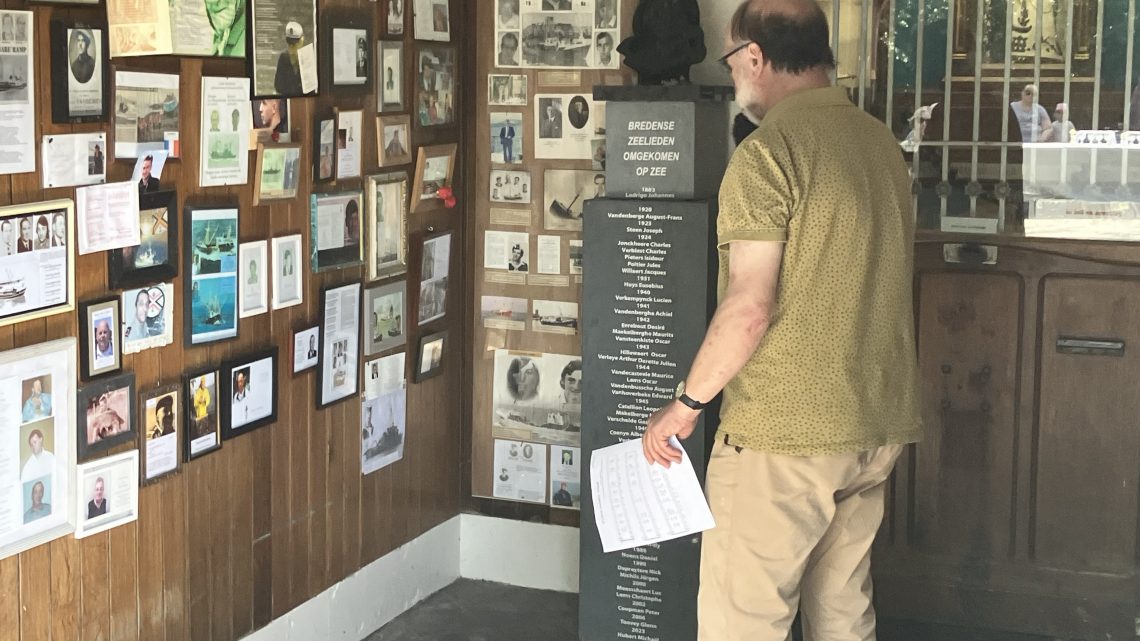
17 94
383 413
226 123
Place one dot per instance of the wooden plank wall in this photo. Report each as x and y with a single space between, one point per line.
243 535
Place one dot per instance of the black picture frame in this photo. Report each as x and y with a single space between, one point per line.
351 351
333 20
196 428
61 69
177 409
230 369
197 281
121 274
260 64
88 313
93 395
434 368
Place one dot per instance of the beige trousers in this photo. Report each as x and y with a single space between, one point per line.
792 533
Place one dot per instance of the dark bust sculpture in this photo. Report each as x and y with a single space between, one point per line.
667 39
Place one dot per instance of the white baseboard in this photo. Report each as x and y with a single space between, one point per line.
471 546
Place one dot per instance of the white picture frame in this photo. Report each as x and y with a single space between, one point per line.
119 477
253 295
288 289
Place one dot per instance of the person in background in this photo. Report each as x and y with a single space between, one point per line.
1032 118
1062 129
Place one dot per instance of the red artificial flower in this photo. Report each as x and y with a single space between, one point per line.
444 193
275 135
449 202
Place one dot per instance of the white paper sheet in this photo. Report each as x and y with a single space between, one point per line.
108 217
71 160
18 96
636 503
307 60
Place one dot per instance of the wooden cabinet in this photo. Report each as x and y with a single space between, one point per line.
1019 510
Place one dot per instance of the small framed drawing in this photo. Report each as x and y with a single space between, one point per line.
390 75
277 173
253 290
287 272
433 170
30 262
393 135
429 361
387 201
108 493
384 317
432 20
305 351
335 233
211 308
435 263
395 19
435 86
249 390
99 349
106 414
79 72
324 160
203 429
340 344
160 412
350 64
155 259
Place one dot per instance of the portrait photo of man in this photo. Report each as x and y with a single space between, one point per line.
604 48
58 230
37 403
508 50
523 378
7 238
37 509
562 497
508 16
24 244
605 16
40 462
97 506
104 339
81 63
148 183
551 125
395 147
163 419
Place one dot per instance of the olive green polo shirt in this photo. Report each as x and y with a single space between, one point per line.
836 371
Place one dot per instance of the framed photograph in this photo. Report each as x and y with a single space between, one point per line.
37 269
148 317
203 427
390 75
287 254
99 349
435 86
155 259
350 65
79 72
349 143
324 159
507 137
211 309
510 187
387 200
106 412
335 238
305 352
435 263
253 289
283 47
558 33
270 122
432 20
506 90
429 361
108 493
395 18
277 172
537 397
383 412
249 390
340 344
160 410
434 167
384 317
565 192
147 112
394 140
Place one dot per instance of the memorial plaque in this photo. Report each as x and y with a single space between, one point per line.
648 294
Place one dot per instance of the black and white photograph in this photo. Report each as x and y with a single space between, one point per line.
146 114
537 397
435 263
567 126
435 86
390 75
107 493
253 284
506 90
284 51
432 20
387 204
506 250
556 39
554 316
430 355
565 477
507 53
99 349
605 55
250 392
148 317
288 267
270 121
79 72
351 53
549 117
394 136
576 257
519 471
203 425
384 317
510 186
565 192
37 264
305 352
338 371
161 419
106 414
335 237
507 137
507 14
503 312
383 412
555 33
395 17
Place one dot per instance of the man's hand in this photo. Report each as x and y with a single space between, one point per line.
674 419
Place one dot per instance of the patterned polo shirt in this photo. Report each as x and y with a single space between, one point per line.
836 371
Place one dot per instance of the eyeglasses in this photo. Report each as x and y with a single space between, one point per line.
723 60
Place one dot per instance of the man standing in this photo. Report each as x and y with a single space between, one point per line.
147 182
812 344
551 125
507 140
287 79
